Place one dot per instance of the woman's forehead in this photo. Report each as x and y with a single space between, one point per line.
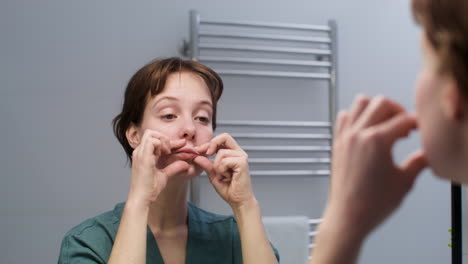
183 88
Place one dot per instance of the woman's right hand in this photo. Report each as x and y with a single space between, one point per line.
366 183
149 174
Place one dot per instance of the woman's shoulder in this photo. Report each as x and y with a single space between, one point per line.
106 220
93 237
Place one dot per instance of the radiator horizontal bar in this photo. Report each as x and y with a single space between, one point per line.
273 123
264 25
265 61
264 49
313 233
265 37
276 74
290 160
281 135
287 173
290 172
315 221
288 148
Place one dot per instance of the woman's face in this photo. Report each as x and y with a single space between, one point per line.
440 135
182 110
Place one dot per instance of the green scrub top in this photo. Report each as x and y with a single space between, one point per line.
211 238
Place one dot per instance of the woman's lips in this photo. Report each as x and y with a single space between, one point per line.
186 154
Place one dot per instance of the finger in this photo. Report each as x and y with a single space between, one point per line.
226 180
144 140
175 168
219 183
359 104
230 164
341 122
151 147
397 127
175 144
222 141
165 145
378 110
158 146
149 133
157 153
152 135
202 148
224 153
206 165
414 165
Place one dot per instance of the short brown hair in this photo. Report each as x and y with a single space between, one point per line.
150 81
445 23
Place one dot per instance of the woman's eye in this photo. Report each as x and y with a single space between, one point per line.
203 119
168 116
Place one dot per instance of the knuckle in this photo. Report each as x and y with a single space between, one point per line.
225 135
362 100
351 137
245 159
218 168
216 162
381 100
342 115
373 136
223 162
147 131
156 142
135 156
362 97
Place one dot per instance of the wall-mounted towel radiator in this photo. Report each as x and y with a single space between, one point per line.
262 50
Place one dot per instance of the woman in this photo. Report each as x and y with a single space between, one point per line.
366 185
166 128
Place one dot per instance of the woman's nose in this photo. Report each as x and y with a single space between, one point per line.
188 130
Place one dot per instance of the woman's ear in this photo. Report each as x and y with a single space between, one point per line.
133 136
453 102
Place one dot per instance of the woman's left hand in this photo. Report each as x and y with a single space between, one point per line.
229 173
230 176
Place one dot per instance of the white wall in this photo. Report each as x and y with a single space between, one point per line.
64 66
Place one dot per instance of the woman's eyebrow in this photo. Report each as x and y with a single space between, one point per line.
205 102
170 98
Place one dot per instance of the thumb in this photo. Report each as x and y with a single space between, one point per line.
206 165
398 127
175 167
414 165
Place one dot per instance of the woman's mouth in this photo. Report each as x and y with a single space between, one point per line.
186 154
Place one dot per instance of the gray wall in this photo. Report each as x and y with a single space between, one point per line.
63 68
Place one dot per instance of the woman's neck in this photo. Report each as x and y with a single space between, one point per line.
168 214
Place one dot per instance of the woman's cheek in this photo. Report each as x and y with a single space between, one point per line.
204 134
420 92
